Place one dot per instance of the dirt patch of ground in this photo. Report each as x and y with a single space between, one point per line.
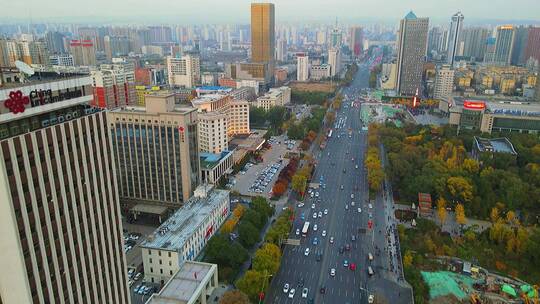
325 87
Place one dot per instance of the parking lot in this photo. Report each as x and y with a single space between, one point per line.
258 179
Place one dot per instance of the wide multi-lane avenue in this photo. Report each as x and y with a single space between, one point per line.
342 248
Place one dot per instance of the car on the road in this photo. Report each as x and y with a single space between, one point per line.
370 256
137 276
319 257
353 238
286 288
370 215
300 205
352 203
291 293
306 252
356 167
297 231
315 227
347 247
312 206
316 194
341 249
302 216
323 233
322 290
345 263
346 207
352 195
333 272
370 271
325 211
370 206
371 299
320 213
304 292
314 215
315 241
352 266
359 210
341 187
331 240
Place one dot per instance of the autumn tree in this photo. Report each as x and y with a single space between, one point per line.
267 258
471 166
494 215
279 188
251 283
460 188
441 210
407 259
234 297
239 210
460 214
299 183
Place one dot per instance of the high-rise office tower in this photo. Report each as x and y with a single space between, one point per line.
412 42
336 38
262 32
444 82
116 46
474 42
61 226
55 42
83 52
334 60
156 150
356 41
533 44
435 39
184 71
302 67
94 34
520 44
504 44
281 50
454 37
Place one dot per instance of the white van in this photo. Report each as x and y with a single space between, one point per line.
370 270
370 256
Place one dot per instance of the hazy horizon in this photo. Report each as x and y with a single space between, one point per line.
213 11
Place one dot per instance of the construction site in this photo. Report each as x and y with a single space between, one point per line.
463 282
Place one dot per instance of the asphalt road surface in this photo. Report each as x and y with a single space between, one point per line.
340 164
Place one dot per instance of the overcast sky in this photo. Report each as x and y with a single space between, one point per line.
237 11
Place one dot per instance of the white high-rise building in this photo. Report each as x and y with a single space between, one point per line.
444 82
302 67
454 37
184 71
281 50
334 60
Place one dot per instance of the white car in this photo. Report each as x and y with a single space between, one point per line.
371 299
331 240
297 231
300 205
314 215
356 166
325 211
324 233
359 210
291 293
370 206
315 227
316 194
286 288
306 252
352 195
346 207
352 204
320 213
333 272
312 206
304 292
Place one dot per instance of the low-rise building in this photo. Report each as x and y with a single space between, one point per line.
275 97
492 115
318 72
182 237
193 283
487 147
216 165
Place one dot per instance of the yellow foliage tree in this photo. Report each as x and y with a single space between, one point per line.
239 211
460 214
494 215
470 165
407 259
460 188
441 210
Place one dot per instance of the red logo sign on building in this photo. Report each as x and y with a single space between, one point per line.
474 105
16 102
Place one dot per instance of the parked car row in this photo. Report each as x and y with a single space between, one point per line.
265 178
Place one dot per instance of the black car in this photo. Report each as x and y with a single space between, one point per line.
341 249
319 257
301 282
323 289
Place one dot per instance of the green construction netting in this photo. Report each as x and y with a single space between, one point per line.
529 291
443 283
509 290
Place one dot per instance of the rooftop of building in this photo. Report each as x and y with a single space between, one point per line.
174 232
184 284
497 145
40 77
210 160
180 109
213 88
410 15
207 98
502 106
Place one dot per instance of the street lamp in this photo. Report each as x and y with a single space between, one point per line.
261 294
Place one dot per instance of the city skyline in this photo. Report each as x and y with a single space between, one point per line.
345 10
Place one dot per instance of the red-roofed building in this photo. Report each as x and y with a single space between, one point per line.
424 204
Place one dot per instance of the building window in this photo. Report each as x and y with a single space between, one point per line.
150 260
170 271
160 262
161 271
151 269
169 254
